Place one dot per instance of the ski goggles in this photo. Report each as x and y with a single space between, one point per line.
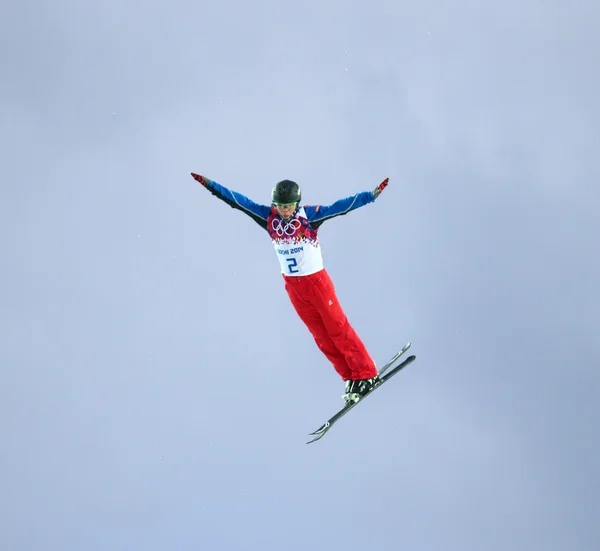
285 205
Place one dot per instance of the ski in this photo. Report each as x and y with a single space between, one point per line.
322 430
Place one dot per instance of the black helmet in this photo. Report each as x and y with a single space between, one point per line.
286 191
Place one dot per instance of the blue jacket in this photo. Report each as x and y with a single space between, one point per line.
316 215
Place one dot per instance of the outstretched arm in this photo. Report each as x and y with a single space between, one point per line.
317 215
258 213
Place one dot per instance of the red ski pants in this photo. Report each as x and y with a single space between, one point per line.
316 303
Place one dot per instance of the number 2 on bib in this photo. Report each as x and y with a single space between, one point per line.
292 263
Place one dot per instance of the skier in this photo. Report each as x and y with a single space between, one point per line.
293 230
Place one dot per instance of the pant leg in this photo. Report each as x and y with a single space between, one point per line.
300 298
339 329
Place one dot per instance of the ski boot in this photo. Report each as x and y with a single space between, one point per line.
355 390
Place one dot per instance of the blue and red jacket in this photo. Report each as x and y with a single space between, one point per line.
295 240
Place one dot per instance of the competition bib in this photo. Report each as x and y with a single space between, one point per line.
296 244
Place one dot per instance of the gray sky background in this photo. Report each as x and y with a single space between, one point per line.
157 387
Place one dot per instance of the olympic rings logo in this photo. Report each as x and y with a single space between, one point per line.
289 229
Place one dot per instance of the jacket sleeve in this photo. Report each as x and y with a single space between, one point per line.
258 213
318 214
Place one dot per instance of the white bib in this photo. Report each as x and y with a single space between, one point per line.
300 259
296 244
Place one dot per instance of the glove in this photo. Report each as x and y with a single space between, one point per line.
202 179
380 188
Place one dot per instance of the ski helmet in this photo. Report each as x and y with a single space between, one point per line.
286 191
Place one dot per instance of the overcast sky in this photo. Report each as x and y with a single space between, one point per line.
157 386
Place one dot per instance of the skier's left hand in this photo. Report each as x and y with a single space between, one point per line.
380 188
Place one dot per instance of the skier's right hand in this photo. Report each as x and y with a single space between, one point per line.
202 179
